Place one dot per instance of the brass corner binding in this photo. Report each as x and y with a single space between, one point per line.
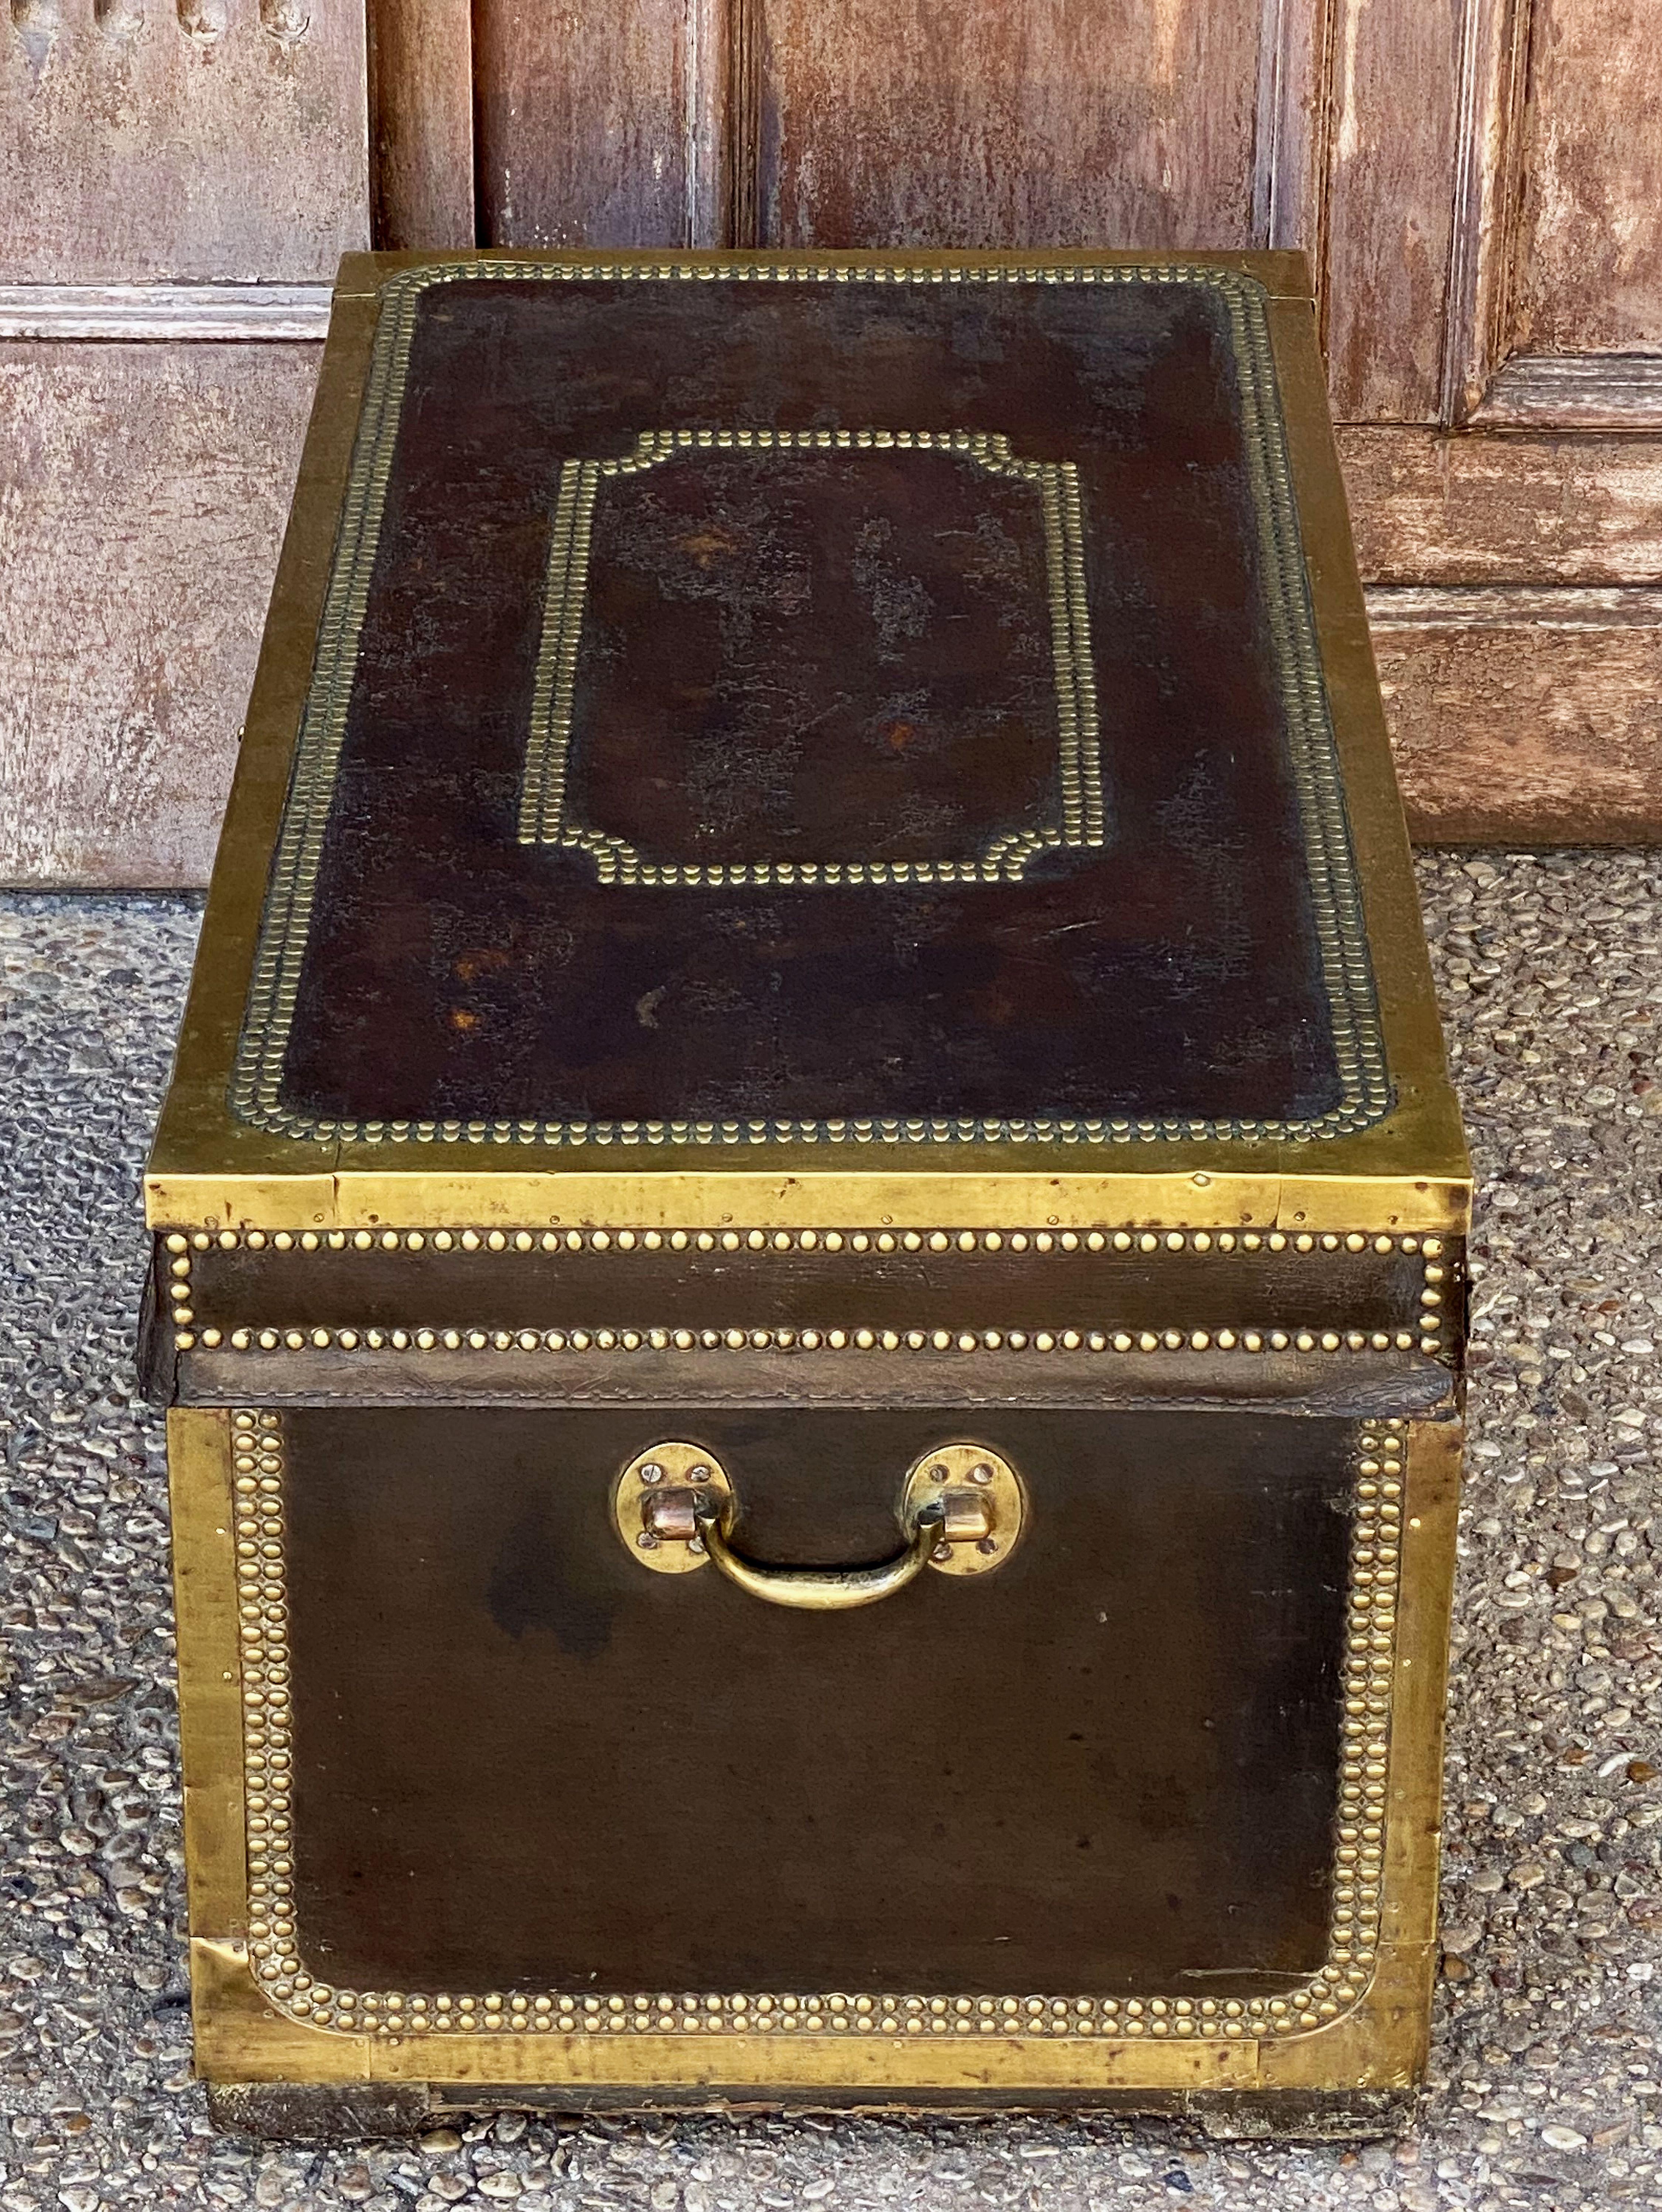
1365 1088
190 1330
275 1942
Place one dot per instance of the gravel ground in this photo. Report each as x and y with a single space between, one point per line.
1546 2085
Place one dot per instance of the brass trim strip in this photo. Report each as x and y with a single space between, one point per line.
289 1987
181 1243
543 817
255 1093
211 1711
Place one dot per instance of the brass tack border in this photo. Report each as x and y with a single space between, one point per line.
181 1243
189 1332
256 1086
275 1943
542 816
808 1340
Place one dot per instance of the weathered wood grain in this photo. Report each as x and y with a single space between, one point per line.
421 123
1431 509
1480 181
1590 236
601 127
213 141
142 494
1525 717
1396 75
1055 122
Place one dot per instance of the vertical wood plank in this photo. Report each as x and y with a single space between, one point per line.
978 124
1396 81
421 123
738 87
602 127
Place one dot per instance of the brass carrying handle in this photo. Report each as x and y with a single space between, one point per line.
960 1510
821 1589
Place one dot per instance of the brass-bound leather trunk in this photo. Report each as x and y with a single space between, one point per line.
808 1237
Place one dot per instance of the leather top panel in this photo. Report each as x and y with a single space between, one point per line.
779 704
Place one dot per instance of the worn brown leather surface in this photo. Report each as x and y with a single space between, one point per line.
817 656
793 1289
813 656
1357 1386
522 1760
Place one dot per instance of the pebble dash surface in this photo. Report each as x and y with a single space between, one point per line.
1546 2084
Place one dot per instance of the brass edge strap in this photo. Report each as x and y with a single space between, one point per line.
255 1093
286 1983
935 1241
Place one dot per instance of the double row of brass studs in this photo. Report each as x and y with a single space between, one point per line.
180 1247
256 1495
834 1129
392 2014
542 817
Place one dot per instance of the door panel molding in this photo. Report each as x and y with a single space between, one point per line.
1508 135
195 312
1545 606
1574 391
1494 38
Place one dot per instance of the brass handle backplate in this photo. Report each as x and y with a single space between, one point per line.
960 1511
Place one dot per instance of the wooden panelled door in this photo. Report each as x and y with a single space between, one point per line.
1478 183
